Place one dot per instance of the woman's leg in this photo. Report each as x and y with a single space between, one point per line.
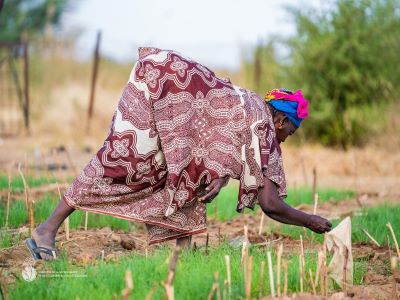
45 234
185 242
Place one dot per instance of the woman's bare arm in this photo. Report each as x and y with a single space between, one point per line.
273 206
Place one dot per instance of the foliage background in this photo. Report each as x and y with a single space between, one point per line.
344 57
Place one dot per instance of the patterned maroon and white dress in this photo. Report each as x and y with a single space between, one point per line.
176 128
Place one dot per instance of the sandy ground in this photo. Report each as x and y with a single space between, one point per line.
369 170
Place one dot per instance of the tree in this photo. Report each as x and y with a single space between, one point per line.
29 17
346 59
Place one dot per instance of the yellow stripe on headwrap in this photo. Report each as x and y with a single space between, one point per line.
271 94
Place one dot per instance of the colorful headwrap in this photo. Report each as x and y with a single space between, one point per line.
294 105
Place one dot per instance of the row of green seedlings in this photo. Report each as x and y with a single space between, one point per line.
316 282
321 271
320 279
167 284
29 202
393 263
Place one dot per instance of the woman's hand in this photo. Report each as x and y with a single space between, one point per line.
213 189
278 210
318 224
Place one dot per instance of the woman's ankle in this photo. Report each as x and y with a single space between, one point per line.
184 242
46 229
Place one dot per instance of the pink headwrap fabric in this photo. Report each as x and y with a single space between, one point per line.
297 96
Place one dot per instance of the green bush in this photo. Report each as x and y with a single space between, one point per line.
346 59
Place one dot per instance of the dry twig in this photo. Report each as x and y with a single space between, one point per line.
312 282
260 228
317 273
168 287
86 219
149 295
228 274
393 265
126 292
346 258
370 236
394 238
244 246
301 263
260 286
278 270
215 288
29 202
314 187
285 271
249 269
3 286
301 274
271 274
316 198
207 241
8 200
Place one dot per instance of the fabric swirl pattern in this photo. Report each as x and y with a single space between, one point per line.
177 127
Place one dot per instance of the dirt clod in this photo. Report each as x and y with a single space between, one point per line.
85 258
128 243
116 238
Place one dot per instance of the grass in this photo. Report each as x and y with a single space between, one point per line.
45 206
195 271
17 186
303 195
194 276
43 209
227 199
373 220
68 72
7 239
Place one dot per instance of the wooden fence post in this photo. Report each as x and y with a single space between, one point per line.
93 82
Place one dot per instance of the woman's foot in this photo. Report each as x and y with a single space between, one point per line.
44 238
45 234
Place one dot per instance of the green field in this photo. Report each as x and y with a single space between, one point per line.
195 270
194 276
373 220
17 185
45 204
226 202
227 199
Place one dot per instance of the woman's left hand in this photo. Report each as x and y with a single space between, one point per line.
213 189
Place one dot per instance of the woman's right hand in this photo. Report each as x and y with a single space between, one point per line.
213 189
318 224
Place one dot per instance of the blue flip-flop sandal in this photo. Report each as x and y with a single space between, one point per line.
35 250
